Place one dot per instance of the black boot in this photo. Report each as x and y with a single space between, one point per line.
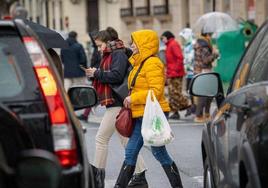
173 175
138 180
99 174
125 175
175 116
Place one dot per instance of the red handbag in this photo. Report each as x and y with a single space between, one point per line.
124 122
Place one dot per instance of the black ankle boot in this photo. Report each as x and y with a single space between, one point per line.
125 175
138 180
99 174
173 175
175 116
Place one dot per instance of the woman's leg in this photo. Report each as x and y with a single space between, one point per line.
133 147
169 166
105 131
140 166
134 144
161 154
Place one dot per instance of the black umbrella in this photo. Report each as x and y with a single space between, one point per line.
50 38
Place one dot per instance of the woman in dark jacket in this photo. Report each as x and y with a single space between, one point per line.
112 70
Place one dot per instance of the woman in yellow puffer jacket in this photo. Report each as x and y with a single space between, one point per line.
145 45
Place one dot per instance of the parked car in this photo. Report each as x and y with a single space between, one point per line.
21 165
235 141
32 90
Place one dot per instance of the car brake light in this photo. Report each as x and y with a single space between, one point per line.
63 136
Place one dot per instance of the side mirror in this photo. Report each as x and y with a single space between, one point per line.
82 97
207 85
38 168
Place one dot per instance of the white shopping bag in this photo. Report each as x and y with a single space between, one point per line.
155 127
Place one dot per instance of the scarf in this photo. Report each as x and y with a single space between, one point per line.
115 44
104 91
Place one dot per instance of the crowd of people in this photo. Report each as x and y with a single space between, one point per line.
110 62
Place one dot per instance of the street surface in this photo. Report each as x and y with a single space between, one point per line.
185 150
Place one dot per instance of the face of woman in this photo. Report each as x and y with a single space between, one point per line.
101 45
164 39
134 48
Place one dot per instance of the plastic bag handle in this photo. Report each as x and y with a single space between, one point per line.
151 94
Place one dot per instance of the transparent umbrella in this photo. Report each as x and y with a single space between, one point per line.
215 22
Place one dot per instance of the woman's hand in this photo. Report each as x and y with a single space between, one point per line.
127 102
90 72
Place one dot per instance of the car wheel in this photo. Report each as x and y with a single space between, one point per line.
207 175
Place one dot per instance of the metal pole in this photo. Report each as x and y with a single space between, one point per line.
214 5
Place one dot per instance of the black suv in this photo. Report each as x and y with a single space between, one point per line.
30 87
235 141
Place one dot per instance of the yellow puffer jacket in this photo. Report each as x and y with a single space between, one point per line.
151 75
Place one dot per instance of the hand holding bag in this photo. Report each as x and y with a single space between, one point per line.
155 127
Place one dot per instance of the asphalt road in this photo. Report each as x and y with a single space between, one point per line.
185 151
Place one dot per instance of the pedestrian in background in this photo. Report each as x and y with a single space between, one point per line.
112 70
145 46
72 58
204 57
174 74
188 61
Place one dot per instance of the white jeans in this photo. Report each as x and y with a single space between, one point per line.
69 82
104 134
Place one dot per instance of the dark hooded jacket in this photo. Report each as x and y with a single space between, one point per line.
72 57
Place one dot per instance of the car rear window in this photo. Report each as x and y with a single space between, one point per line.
11 82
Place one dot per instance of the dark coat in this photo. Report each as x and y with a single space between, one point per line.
116 74
72 57
118 69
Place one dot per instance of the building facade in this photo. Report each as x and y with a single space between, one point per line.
126 16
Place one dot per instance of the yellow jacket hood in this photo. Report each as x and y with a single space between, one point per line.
147 43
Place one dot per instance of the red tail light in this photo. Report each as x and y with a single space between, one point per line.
63 136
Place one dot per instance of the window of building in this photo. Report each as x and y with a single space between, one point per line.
47 13
226 6
61 15
53 15
251 9
208 6
30 10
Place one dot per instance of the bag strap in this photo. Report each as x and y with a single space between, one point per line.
136 75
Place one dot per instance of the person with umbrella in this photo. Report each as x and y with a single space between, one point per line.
204 56
49 38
